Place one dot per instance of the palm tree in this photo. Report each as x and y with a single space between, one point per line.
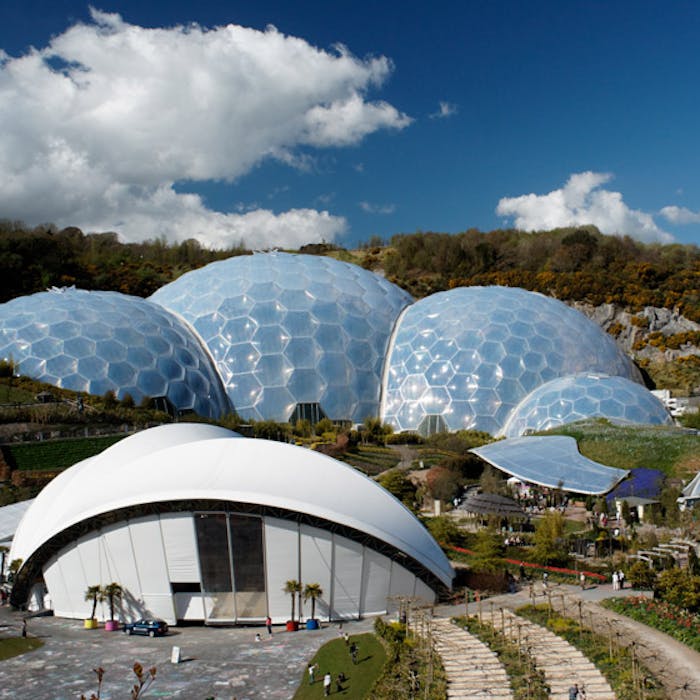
313 591
111 592
292 587
92 594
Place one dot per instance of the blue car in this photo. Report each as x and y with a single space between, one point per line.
149 626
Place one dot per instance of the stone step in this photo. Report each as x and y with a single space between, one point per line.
472 669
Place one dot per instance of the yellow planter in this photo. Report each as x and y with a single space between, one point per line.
90 624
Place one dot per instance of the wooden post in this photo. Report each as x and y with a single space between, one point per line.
580 618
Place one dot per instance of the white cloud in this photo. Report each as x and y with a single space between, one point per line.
680 215
581 201
370 208
445 109
96 128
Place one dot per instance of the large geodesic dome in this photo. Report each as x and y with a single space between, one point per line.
581 396
293 336
465 358
106 341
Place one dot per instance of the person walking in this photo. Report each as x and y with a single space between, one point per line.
327 684
573 692
311 670
24 626
621 578
268 624
615 581
353 653
582 579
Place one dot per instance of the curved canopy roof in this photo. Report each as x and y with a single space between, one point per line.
553 461
200 462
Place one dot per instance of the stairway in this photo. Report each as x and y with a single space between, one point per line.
473 670
562 664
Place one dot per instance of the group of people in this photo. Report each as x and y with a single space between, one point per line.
618 580
327 680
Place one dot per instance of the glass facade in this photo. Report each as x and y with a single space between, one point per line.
232 564
105 341
286 330
470 355
582 396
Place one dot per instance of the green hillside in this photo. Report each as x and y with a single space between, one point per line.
54 455
675 451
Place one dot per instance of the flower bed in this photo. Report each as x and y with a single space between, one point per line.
674 621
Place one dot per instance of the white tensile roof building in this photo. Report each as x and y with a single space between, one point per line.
197 523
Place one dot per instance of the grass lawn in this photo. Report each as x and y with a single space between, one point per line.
672 450
14 646
334 658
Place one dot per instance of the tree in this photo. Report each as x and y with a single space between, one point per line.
293 587
641 576
111 592
443 529
443 484
325 425
679 587
399 485
491 481
549 539
92 594
489 550
312 591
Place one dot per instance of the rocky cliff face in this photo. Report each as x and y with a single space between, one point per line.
635 332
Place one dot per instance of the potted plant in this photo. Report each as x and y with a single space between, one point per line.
92 594
312 591
110 593
292 587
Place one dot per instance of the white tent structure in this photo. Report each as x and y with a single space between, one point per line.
197 523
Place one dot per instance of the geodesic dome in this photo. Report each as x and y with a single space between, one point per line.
106 341
573 398
292 335
463 359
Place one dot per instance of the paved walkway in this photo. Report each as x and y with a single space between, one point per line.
218 662
472 669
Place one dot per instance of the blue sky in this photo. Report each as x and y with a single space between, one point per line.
441 116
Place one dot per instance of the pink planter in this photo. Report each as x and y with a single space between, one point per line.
111 625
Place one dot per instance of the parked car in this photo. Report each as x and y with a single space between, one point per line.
152 627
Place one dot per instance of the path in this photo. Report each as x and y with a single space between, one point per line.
676 665
472 669
562 664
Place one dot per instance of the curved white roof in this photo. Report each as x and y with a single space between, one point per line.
193 461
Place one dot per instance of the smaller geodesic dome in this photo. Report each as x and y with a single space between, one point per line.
97 342
465 358
293 336
581 396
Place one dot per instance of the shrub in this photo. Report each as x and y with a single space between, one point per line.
641 576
